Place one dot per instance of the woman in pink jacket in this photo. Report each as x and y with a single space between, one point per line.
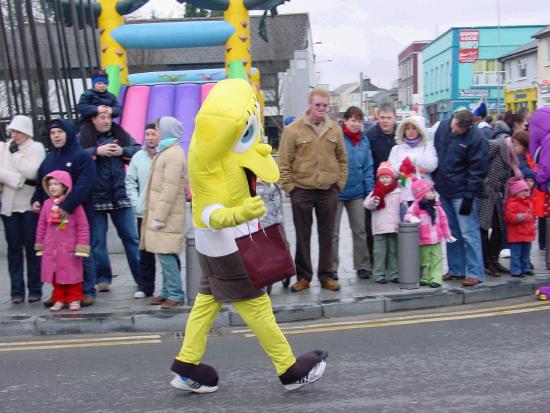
62 240
433 229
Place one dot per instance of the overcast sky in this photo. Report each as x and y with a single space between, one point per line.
362 35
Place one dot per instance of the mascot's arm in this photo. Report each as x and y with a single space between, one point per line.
229 217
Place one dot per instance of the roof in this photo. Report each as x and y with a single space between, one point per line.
344 88
544 32
286 32
521 50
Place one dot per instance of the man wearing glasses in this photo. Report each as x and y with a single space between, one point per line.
313 164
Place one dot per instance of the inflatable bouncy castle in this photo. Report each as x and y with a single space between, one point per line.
147 96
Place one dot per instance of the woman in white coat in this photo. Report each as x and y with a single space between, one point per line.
20 158
414 155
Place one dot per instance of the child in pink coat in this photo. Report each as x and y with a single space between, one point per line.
62 241
433 229
385 203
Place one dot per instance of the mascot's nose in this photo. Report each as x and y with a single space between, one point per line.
264 149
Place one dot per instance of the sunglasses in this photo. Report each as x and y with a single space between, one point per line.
321 105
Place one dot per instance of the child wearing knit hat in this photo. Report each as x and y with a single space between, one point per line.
385 203
519 215
433 229
98 100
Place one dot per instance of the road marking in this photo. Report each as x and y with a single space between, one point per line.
81 345
409 317
375 324
78 340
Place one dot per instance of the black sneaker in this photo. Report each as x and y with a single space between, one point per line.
363 274
435 285
517 275
381 280
187 384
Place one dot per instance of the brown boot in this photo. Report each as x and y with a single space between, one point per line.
470 282
331 285
158 300
171 304
302 284
87 301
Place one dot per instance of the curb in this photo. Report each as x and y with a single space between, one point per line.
155 321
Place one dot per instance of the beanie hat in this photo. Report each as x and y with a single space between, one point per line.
420 187
63 124
516 186
100 76
21 124
528 173
385 168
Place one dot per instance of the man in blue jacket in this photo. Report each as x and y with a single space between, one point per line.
67 155
360 182
111 147
462 152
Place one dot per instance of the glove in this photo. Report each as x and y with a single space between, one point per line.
157 224
13 147
451 239
414 220
229 217
466 206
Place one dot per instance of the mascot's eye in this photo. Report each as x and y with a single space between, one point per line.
246 140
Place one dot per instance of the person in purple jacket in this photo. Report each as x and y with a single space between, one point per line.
539 146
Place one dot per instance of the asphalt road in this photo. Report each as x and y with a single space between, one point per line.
463 359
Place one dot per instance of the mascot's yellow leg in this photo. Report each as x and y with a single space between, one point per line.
258 315
200 321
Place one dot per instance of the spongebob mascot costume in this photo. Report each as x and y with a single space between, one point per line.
225 157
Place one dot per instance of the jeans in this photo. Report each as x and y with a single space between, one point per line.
125 224
520 257
88 265
465 256
171 277
20 230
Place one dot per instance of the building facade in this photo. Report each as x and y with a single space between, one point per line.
543 66
411 77
461 66
520 77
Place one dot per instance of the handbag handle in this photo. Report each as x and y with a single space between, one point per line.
250 234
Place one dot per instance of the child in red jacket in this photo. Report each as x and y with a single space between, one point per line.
519 214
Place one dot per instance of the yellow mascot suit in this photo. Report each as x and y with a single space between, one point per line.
225 157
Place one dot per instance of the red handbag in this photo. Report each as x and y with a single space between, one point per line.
266 256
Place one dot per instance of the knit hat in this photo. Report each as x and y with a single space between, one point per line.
420 187
100 76
21 124
516 187
528 173
170 127
385 168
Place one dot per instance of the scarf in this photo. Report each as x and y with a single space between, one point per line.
355 137
55 214
512 160
412 143
428 205
381 190
165 143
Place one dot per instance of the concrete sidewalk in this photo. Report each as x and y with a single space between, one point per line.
117 311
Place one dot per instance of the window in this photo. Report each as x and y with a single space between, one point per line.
487 73
508 72
522 68
548 51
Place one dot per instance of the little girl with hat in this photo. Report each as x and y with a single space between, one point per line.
433 229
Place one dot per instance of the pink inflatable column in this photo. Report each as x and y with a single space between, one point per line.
135 111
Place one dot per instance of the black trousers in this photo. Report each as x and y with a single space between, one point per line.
146 282
492 244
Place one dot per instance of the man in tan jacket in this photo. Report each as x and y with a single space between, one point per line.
314 169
